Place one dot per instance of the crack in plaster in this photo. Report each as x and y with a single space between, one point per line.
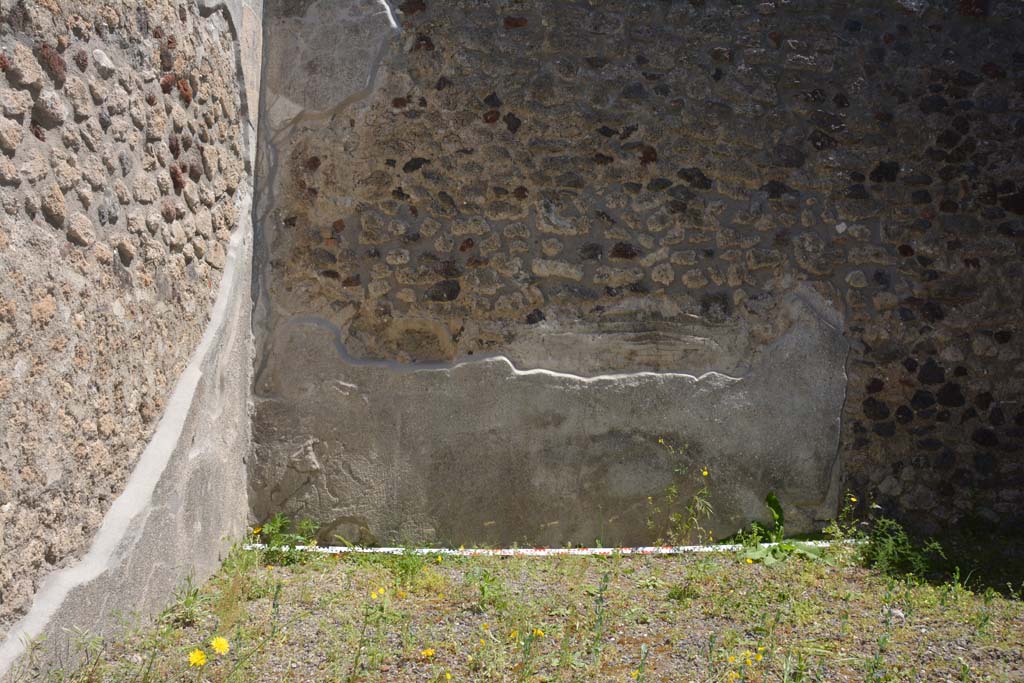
712 376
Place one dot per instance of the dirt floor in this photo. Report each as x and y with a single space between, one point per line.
714 617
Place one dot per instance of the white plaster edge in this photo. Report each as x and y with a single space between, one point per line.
391 16
138 492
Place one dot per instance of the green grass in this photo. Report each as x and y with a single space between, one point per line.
690 618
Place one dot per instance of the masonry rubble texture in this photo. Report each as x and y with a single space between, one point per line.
501 249
124 175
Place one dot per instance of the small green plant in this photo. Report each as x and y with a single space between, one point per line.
638 674
846 526
524 669
371 635
782 549
89 648
282 539
795 668
491 594
675 525
188 607
408 566
983 619
682 593
889 549
600 610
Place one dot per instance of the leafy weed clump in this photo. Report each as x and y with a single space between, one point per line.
283 540
889 549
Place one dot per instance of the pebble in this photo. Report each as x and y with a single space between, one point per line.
15 103
857 278
24 69
50 109
104 66
80 230
11 134
52 203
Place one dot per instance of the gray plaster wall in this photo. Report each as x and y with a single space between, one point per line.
484 452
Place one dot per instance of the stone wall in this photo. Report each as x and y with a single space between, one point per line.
510 259
123 176
575 186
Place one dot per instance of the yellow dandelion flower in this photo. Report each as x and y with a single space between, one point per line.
704 472
220 645
853 499
438 560
732 660
481 641
447 676
514 635
256 530
381 591
373 595
427 653
197 658
485 626
760 648
634 674
758 657
538 633
750 561
750 663
401 594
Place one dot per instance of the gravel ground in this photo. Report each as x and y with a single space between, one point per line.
709 618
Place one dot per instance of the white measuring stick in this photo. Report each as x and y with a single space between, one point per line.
529 552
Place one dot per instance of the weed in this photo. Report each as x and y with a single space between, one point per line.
490 592
524 669
984 615
600 612
671 525
783 549
408 566
682 593
638 674
374 616
188 607
889 549
283 540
